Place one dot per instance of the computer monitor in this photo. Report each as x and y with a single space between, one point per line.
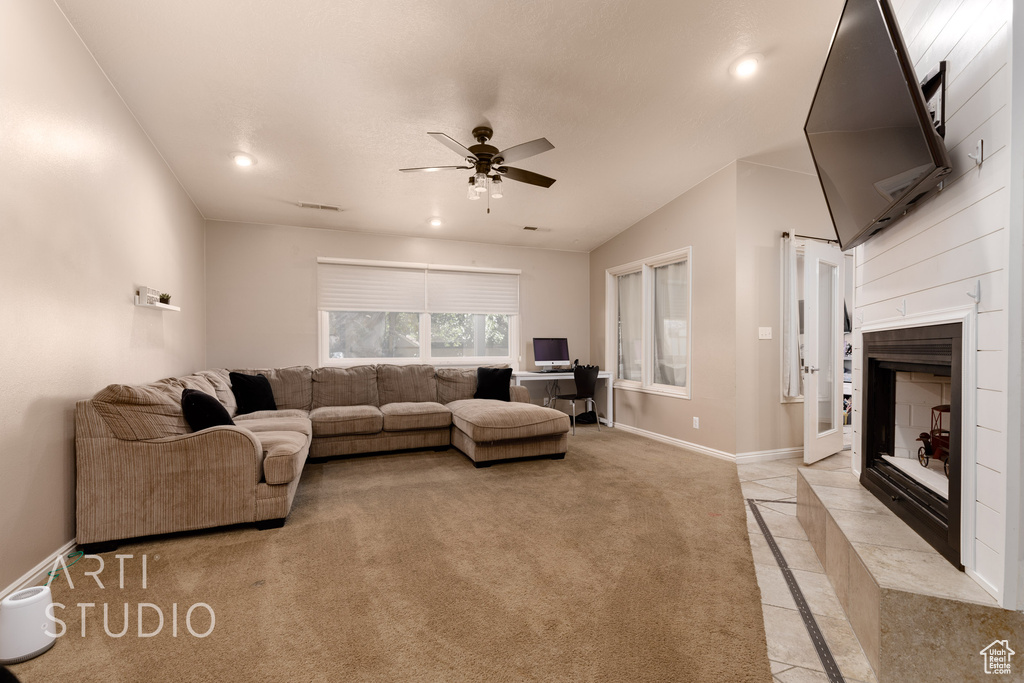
549 352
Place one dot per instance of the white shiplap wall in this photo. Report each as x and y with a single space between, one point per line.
938 253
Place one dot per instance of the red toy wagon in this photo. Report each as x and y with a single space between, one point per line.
935 443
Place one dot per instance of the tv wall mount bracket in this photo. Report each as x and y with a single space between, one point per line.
934 88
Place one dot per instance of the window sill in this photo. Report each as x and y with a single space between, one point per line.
654 391
436 362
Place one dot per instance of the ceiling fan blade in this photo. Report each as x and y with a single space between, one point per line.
453 145
427 169
527 149
528 177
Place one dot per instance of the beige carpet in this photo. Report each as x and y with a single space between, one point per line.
627 561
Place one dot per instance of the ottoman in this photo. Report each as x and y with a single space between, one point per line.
488 430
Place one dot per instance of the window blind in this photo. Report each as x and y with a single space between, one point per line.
416 289
451 291
370 288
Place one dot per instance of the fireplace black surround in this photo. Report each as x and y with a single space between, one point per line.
935 349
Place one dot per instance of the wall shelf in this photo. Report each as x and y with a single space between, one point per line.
166 307
147 297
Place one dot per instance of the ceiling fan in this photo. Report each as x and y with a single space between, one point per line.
489 163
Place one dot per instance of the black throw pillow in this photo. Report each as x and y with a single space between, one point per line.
493 383
203 411
252 393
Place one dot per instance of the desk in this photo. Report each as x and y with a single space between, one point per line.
518 378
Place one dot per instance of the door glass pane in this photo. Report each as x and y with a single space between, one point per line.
458 335
373 334
826 346
671 301
630 322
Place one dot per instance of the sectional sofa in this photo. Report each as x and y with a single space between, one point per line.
141 470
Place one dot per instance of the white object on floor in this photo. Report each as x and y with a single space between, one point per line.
26 630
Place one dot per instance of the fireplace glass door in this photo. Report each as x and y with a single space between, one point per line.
911 436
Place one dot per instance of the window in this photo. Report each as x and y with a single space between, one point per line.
458 335
630 325
417 313
373 334
648 331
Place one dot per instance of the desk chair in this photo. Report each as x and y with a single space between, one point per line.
585 377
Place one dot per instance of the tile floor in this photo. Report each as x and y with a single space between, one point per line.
793 657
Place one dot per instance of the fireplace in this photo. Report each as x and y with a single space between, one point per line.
911 428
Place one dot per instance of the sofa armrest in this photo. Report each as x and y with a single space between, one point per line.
519 393
203 479
196 439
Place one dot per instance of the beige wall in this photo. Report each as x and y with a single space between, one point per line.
769 201
261 294
703 218
88 210
733 220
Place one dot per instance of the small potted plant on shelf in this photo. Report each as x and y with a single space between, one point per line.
165 298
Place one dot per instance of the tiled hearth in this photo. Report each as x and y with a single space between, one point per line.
916 616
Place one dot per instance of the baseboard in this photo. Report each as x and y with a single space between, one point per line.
994 591
775 454
696 448
37 575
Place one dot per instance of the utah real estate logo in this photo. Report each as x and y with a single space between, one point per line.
997 657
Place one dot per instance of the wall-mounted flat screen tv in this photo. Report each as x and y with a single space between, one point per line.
873 139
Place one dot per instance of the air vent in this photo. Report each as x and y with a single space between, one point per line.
322 207
529 227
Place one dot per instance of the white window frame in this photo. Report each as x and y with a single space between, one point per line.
646 268
425 357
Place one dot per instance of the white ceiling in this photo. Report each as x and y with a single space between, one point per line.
332 98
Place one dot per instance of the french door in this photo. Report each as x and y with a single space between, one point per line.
823 350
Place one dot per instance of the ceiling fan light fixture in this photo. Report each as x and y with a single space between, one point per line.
485 160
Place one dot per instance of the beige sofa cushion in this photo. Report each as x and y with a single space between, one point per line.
455 384
272 414
171 387
346 420
345 386
136 412
197 382
293 423
222 385
292 387
485 420
403 417
281 455
406 383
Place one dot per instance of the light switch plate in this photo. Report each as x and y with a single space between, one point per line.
764 333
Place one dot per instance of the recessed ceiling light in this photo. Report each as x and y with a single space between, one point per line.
745 66
436 222
243 159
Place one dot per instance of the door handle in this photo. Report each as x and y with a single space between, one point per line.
810 369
